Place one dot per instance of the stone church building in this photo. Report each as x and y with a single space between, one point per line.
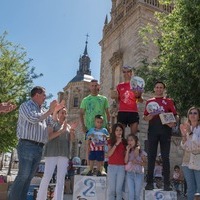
121 44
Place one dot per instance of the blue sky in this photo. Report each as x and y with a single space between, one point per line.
53 33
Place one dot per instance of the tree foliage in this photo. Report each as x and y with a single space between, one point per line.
178 63
16 80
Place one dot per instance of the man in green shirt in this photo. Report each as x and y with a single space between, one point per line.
92 105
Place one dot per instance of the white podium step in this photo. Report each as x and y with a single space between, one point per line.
159 194
89 187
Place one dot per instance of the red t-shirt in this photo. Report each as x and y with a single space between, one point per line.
117 158
127 99
165 105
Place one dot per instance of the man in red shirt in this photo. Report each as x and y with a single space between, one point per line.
127 99
159 133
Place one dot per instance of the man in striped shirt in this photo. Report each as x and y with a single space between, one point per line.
32 134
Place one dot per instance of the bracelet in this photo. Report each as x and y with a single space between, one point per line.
116 145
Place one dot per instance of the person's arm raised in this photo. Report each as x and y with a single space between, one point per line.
7 107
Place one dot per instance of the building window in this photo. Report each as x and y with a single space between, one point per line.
76 102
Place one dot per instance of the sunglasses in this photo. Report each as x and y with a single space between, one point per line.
193 113
126 72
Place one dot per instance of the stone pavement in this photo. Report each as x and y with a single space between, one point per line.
68 197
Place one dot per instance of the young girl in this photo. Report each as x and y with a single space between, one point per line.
135 160
116 171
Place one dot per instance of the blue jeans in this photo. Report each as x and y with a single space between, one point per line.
192 178
135 185
29 156
115 178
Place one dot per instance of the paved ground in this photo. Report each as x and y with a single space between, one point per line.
66 196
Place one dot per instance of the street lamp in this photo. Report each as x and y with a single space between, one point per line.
79 148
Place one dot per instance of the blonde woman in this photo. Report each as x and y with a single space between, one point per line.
190 131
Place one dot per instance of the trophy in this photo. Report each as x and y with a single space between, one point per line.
153 108
137 84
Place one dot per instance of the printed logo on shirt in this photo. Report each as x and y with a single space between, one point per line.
164 102
99 138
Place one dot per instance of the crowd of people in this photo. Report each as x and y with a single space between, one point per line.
47 131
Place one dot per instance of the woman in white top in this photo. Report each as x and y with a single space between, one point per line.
190 131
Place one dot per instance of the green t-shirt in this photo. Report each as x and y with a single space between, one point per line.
94 105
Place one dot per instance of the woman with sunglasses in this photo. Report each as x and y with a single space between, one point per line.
190 131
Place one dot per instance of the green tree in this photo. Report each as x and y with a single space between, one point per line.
178 63
15 82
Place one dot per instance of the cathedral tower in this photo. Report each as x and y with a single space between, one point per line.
74 92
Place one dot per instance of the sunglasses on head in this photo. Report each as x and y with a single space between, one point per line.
193 113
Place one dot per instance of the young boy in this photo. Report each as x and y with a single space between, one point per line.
96 141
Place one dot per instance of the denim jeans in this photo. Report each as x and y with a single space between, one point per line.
50 164
192 178
29 156
135 185
115 180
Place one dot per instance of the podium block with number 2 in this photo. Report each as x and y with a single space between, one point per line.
89 188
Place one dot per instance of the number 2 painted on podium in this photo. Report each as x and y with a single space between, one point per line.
90 191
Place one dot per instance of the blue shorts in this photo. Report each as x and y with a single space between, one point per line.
96 155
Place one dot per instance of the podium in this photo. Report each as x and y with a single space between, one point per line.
89 187
159 194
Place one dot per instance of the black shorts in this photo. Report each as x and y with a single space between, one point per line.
128 118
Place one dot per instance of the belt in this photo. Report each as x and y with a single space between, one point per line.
33 142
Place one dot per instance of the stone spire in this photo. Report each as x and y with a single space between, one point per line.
106 20
86 42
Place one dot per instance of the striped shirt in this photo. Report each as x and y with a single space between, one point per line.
30 126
